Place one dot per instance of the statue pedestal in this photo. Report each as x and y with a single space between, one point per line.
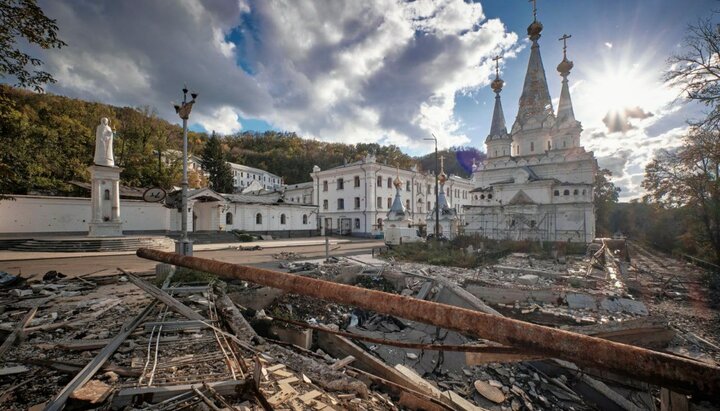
105 198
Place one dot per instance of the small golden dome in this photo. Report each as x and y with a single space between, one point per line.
397 182
565 66
534 30
497 84
442 178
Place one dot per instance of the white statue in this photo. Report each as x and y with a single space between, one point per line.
104 144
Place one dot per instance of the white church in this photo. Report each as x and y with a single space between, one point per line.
537 181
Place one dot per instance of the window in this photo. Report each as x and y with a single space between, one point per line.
357 181
107 194
389 182
428 188
482 196
566 192
495 154
575 192
557 193
389 202
379 222
564 143
341 204
325 185
378 203
532 146
532 223
489 196
228 218
357 223
340 184
584 192
305 219
325 204
357 203
549 145
428 205
283 219
258 218
379 181
407 204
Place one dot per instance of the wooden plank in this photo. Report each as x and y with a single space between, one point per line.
165 298
479 358
17 331
673 401
154 395
342 363
93 392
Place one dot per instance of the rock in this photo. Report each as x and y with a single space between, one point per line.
18 292
515 404
488 391
528 279
495 383
411 356
111 377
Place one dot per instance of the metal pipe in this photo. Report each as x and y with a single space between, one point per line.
680 374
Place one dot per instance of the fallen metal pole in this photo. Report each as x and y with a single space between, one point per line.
679 373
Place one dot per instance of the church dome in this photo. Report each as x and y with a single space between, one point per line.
397 182
534 30
564 67
497 85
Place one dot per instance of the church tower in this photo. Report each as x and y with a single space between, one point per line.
498 142
535 118
566 132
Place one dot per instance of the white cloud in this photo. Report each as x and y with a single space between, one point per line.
608 45
223 121
377 70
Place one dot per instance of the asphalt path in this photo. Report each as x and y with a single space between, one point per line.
108 264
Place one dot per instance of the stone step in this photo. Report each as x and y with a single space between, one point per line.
98 244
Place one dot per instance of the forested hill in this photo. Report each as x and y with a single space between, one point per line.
48 140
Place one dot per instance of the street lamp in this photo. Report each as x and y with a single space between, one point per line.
437 189
184 245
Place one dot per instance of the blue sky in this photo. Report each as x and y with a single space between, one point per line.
385 71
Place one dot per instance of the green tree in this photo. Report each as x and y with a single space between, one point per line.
24 19
605 197
213 162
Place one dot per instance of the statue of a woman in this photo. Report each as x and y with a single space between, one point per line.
104 144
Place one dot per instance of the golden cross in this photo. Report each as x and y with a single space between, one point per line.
564 40
497 67
534 2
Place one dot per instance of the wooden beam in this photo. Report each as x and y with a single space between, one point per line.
165 298
17 332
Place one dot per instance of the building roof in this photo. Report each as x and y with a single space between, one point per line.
251 169
299 186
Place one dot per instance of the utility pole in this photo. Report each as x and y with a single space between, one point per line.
184 245
437 189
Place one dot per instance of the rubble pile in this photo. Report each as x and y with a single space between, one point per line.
122 342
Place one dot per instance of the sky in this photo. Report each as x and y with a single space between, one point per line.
386 71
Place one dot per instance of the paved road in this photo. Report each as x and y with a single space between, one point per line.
107 264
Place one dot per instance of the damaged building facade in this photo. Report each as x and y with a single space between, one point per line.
537 180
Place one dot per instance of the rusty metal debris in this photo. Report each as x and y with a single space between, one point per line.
658 368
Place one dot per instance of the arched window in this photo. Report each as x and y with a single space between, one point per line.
379 181
407 204
557 193
357 181
283 219
575 192
258 218
228 218
489 196
566 192
482 196
532 146
389 182
107 194
379 222
584 192
305 219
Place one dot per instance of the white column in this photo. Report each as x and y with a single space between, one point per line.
97 201
116 201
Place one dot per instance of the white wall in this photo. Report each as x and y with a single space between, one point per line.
43 214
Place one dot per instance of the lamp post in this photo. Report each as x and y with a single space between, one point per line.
437 190
184 245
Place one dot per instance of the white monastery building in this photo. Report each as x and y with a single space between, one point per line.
244 176
355 198
537 182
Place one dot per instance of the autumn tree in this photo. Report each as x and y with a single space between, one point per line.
697 70
687 177
24 20
213 162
